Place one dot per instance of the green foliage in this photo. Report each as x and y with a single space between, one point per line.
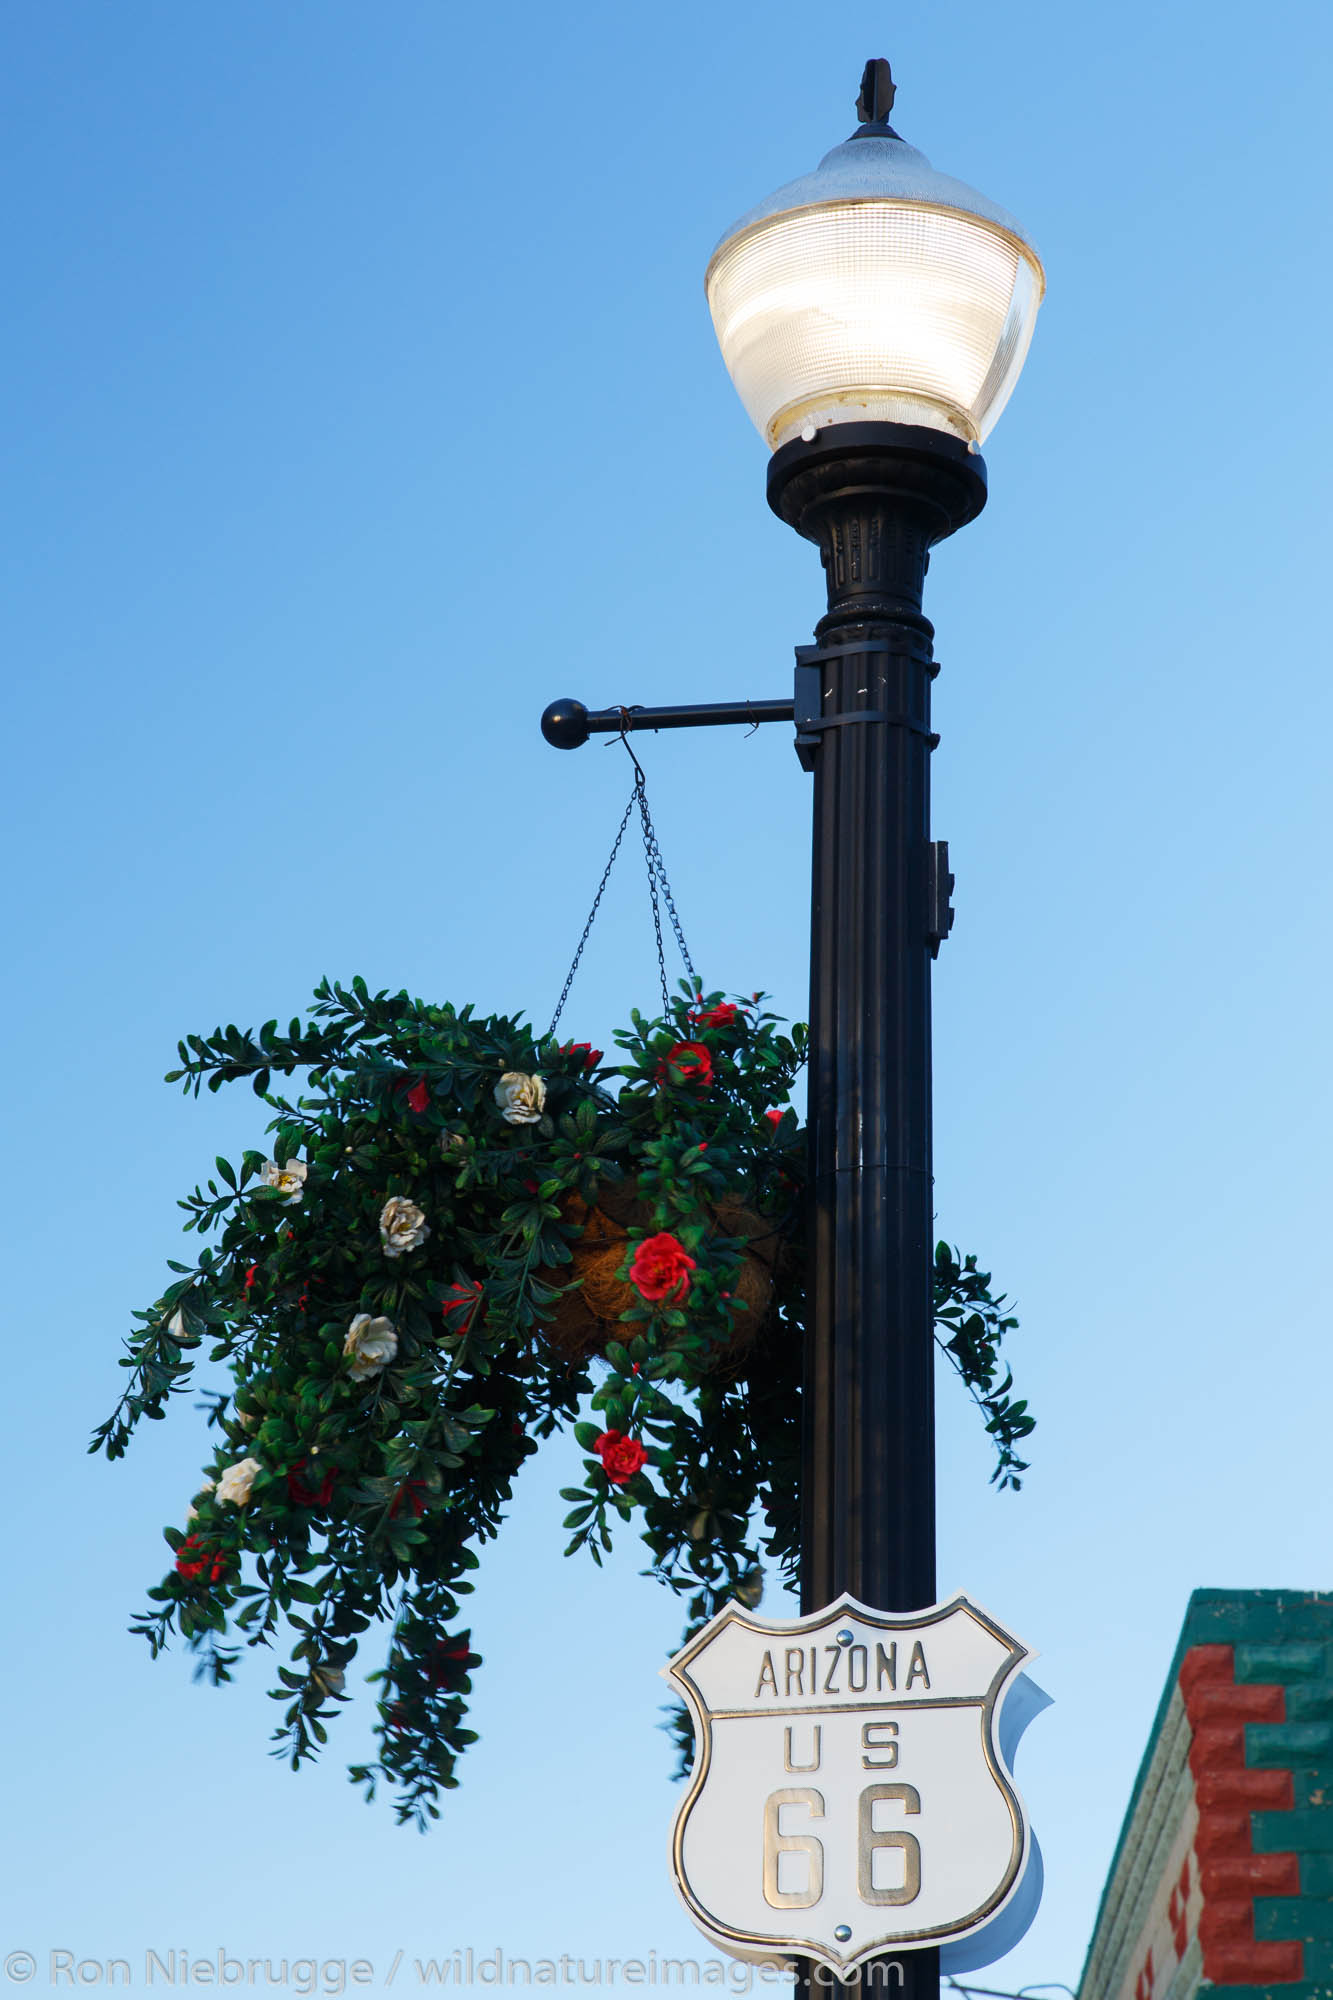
976 1324
364 1479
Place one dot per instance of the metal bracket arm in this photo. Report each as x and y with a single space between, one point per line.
568 724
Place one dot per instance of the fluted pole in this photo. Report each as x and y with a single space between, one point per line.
874 498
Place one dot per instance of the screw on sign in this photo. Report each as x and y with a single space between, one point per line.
852 1790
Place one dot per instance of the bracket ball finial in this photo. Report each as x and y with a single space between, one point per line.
565 724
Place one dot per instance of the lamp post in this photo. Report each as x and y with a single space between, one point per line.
874 316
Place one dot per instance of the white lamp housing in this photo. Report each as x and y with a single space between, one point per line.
874 290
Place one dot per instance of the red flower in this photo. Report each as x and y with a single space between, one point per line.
449 1661
412 1490
419 1095
621 1456
661 1268
306 1495
723 1015
459 1305
687 1062
774 1118
591 1056
195 1557
250 1277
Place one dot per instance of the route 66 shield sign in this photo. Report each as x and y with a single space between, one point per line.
851 1792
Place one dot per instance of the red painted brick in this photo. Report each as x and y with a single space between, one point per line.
1215 1702
1253 1964
1222 1835
1226 1921
1205 1663
1259 1790
1219 1743
1252 1875
1231 1875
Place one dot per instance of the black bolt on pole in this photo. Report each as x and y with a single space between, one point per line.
875 498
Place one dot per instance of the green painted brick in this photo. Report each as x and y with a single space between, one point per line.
1310 1701
1233 1617
1318 1959
1293 1917
1317 1985
1285 1745
1314 1787
1317 1874
1294 1660
1305 1830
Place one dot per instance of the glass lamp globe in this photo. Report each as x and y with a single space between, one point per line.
874 290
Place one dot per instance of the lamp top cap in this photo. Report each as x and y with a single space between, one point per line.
875 164
878 91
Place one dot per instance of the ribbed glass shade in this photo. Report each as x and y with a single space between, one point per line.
875 289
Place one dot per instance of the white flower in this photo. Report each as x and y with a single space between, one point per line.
192 1512
288 1179
370 1345
402 1226
237 1480
520 1097
176 1325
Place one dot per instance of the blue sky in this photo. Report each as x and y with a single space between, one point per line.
360 398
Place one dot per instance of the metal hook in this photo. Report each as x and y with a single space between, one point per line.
640 780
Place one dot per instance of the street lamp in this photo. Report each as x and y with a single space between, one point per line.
874 290
874 316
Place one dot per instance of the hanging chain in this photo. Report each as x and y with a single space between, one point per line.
652 897
657 873
592 914
657 878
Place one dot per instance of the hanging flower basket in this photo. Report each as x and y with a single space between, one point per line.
462 1240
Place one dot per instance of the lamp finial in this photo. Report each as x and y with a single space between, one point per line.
878 91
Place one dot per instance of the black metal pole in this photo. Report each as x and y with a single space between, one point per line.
875 498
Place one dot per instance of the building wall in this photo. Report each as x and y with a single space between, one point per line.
1223 1875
